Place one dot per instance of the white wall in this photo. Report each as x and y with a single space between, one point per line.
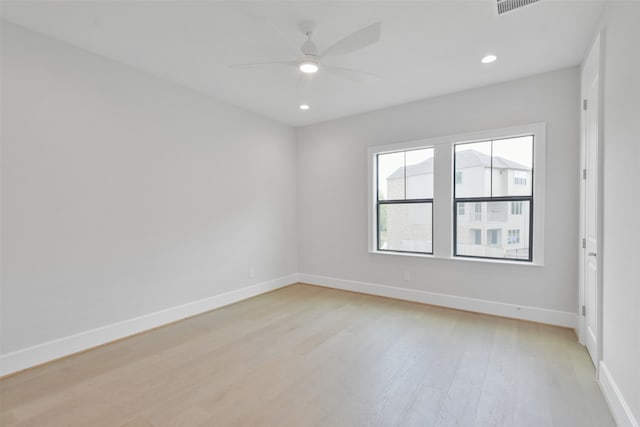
621 277
332 192
123 194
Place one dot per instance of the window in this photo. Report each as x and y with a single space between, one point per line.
477 216
476 236
494 237
500 173
405 201
488 207
519 177
516 208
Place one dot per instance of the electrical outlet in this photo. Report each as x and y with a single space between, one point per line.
406 276
252 272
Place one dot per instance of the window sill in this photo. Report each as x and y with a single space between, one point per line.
463 259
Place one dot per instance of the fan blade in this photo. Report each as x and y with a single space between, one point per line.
351 74
264 64
355 41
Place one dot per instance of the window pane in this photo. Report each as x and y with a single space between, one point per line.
497 212
516 208
492 229
473 169
405 227
391 176
512 166
419 167
475 236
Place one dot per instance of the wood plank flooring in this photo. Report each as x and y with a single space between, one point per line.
310 356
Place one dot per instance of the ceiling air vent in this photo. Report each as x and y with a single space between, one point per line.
505 6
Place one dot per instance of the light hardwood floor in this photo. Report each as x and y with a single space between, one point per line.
310 356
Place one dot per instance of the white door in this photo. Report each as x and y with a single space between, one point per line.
591 294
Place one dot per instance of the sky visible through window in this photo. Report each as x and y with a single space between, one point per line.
517 149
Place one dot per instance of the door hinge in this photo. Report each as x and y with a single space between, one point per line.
584 310
584 243
584 174
584 104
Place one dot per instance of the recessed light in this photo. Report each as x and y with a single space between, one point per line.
489 59
304 107
308 67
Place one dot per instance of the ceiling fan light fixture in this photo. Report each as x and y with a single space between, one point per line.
489 59
308 67
304 107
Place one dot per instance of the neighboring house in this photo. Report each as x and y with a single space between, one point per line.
496 229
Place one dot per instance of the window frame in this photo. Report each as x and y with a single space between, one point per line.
443 187
496 199
404 201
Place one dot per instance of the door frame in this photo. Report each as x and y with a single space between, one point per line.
593 58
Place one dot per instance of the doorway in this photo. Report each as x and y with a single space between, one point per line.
590 316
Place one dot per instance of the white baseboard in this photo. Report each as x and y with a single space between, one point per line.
617 404
46 352
535 314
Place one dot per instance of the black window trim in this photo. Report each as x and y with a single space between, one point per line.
404 201
489 199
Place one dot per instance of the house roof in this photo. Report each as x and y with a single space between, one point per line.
464 160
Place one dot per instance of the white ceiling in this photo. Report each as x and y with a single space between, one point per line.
427 48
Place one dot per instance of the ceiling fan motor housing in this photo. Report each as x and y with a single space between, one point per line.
308 48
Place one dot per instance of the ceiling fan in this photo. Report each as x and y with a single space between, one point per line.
309 60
